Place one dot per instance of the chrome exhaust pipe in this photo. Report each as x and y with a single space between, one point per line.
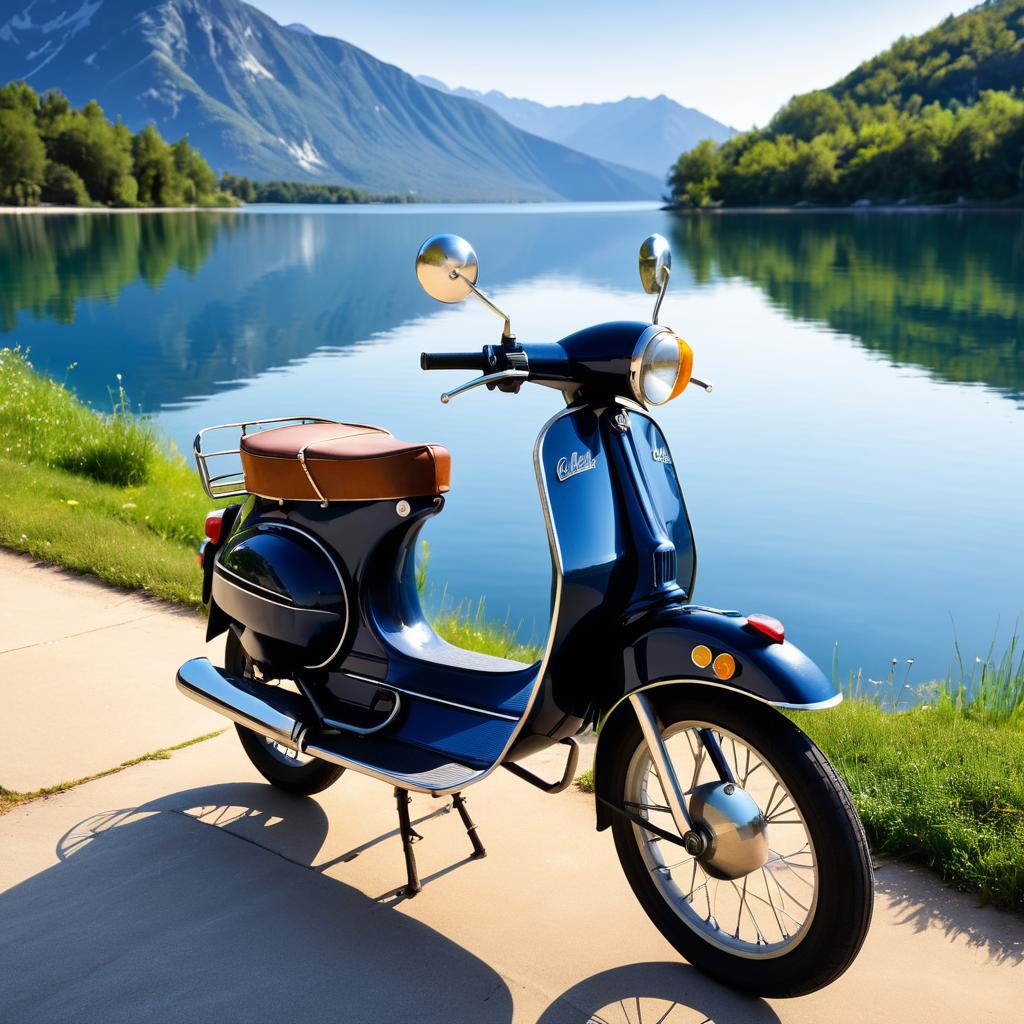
269 711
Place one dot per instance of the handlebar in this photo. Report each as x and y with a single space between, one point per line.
453 361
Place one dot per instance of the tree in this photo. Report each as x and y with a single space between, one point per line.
809 115
67 156
99 152
200 183
694 177
22 157
159 182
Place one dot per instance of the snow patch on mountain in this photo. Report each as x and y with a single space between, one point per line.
247 62
305 155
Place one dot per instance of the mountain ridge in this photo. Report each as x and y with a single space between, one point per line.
262 100
648 134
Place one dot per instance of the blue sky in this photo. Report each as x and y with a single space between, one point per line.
738 61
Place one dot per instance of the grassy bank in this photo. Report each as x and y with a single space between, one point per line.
103 494
941 785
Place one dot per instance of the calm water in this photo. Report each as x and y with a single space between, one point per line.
858 471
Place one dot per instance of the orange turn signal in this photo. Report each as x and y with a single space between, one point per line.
701 656
685 369
724 666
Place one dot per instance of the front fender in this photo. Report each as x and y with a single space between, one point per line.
660 647
659 653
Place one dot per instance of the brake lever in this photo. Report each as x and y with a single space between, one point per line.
487 378
706 385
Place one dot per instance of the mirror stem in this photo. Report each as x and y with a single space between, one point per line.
487 302
661 294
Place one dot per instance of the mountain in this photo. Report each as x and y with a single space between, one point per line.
265 101
935 118
641 133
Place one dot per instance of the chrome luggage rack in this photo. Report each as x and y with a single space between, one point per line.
231 484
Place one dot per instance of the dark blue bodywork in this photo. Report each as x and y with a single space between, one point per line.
624 566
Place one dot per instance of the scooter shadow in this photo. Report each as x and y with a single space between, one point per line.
659 993
151 915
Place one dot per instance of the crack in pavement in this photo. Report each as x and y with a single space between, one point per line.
73 636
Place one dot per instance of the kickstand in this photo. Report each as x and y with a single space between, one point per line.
409 836
459 803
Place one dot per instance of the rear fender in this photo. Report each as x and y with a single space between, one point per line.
660 655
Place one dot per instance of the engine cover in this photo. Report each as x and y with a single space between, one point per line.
283 584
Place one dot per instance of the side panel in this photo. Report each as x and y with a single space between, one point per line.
592 558
281 582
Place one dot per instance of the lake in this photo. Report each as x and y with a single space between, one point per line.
857 472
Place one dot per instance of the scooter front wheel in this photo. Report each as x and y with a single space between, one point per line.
285 768
773 895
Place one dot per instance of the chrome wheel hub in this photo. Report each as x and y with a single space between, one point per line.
735 831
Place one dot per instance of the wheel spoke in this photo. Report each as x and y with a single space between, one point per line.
759 913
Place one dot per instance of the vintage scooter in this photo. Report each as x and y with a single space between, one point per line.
734 831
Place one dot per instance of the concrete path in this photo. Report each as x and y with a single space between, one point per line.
189 889
87 675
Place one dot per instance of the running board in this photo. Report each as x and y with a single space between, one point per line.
282 716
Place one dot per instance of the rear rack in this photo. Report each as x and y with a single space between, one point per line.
231 484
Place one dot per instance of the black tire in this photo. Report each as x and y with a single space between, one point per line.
836 929
303 778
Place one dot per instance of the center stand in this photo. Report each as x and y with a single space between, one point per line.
410 835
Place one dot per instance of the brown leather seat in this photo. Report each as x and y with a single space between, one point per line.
341 462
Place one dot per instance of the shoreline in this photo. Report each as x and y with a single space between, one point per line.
887 208
66 210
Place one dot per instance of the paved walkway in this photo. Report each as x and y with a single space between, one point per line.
188 888
87 675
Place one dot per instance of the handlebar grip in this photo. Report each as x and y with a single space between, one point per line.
452 361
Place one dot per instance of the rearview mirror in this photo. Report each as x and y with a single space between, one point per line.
655 264
447 268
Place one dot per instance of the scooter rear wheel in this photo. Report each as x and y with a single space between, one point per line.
285 768
779 901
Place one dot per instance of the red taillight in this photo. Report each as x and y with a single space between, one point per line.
768 626
214 523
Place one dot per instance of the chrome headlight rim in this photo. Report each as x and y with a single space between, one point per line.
636 363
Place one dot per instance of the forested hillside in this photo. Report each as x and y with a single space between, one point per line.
51 153
933 118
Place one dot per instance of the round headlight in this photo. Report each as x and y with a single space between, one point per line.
661 369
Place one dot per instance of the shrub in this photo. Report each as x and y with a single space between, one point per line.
64 187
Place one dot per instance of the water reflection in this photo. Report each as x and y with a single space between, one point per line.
48 265
841 476
938 291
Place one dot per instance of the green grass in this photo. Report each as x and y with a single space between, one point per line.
9 799
940 785
95 493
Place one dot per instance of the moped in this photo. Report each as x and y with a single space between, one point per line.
735 833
